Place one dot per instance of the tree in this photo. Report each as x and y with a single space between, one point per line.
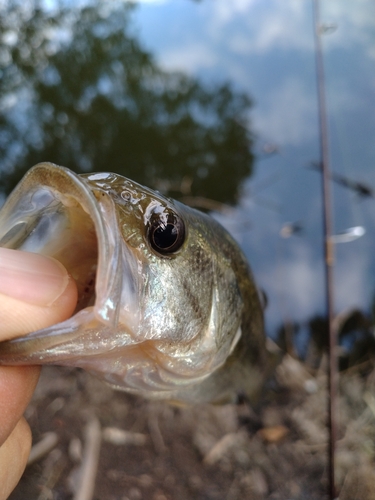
77 89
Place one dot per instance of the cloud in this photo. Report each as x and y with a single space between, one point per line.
351 280
224 11
151 1
276 38
255 27
188 57
354 22
275 24
288 115
296 284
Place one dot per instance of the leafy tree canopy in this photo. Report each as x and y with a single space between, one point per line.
78 89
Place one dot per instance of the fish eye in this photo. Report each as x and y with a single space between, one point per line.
166 233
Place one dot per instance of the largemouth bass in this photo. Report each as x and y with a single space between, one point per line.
167 303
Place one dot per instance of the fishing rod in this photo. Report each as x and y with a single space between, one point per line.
328 250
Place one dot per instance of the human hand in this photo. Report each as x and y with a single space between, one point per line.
35 292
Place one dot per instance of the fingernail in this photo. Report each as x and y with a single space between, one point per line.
30 277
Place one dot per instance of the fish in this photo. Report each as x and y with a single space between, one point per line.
167 304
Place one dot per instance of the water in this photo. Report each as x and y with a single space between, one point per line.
215 101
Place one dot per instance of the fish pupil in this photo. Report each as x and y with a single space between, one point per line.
167 238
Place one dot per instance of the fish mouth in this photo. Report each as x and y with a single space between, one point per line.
75 219
56 213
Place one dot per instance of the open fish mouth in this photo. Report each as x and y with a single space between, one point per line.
126 328
54 212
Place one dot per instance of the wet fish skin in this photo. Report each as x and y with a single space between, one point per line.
173 317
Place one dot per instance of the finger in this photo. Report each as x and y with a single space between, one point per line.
13 457
17 384
18 318
35 291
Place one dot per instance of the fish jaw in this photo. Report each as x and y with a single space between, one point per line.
55 212
110 353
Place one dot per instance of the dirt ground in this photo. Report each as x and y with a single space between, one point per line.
154 451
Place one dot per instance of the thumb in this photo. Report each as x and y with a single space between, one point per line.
13 457
35 292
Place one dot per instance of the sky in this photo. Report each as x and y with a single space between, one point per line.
267 50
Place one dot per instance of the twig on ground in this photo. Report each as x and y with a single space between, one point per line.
91 452
121 437
43 447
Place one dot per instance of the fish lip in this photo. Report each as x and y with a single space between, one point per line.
100 207
106 309
115 266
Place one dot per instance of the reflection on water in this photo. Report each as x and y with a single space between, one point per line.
163 93
160 92
78 89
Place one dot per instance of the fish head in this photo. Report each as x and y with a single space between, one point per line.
161 304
